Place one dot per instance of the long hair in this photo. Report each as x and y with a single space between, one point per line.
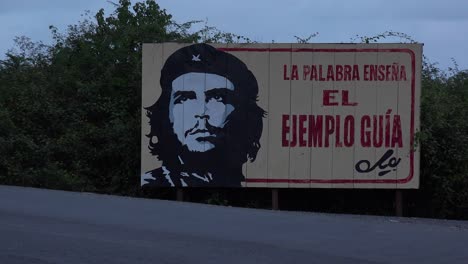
244 125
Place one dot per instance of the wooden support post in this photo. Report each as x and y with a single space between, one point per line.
274 199
180 194
399 203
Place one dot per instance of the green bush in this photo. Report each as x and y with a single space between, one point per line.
70 114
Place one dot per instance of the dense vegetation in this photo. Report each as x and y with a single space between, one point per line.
70 119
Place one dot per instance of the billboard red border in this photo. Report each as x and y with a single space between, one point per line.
413 84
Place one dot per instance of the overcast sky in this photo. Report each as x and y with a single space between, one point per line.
441 25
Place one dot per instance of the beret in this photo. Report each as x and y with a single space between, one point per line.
207 59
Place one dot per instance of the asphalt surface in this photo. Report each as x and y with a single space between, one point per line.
43 226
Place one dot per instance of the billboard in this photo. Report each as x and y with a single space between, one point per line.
281 115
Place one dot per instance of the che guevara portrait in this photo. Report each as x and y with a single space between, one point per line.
206 123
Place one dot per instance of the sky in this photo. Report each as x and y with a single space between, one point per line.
441 25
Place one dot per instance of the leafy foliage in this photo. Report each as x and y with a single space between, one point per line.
71 110
70 115
444 137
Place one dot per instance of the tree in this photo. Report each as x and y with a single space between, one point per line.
443 140
71 110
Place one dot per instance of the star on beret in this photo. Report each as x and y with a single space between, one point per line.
196 58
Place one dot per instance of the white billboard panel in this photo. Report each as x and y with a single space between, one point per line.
281 115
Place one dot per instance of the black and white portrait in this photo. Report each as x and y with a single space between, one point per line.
206 123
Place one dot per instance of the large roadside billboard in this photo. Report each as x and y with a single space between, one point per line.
281 115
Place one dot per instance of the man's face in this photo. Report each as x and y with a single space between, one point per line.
199 108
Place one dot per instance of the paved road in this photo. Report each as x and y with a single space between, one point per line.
43 226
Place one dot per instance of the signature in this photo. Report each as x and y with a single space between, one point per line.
364 166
